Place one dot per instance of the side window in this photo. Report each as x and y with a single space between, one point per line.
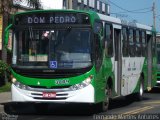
154 46
124 42
138 44
158 53
131 43
108 40
143 44
98 52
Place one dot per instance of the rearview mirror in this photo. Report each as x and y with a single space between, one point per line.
8 38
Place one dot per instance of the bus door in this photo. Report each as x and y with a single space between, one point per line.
149 59
117 58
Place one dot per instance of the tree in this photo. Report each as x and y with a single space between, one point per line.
35 4
6 7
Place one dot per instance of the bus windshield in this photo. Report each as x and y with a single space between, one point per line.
53 49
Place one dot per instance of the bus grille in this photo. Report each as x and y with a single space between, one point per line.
39 96
62 92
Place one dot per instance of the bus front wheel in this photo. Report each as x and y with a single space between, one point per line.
103 106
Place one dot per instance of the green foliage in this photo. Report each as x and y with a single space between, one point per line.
3 68
5 88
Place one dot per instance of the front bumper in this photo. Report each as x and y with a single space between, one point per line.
84 95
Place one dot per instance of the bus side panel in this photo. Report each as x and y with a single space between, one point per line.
101 79
154 72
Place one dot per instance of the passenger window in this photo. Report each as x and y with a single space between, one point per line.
131 43
154 46
124 42
98 52
108 40
138 44
143 44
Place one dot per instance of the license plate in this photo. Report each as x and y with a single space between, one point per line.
49 95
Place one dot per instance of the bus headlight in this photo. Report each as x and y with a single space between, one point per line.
83 84
20 85
14 80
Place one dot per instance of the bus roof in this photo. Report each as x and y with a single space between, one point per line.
101 16
120 22
56 10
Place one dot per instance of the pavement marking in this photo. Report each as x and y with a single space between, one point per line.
152 102
135 111
138 110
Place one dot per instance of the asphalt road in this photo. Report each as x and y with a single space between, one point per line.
127 108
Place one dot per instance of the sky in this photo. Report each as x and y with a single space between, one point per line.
139 10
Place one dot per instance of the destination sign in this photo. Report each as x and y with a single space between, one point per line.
51 18
56 19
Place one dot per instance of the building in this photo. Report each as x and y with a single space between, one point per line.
100 6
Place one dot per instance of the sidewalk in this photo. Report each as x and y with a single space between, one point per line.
4 97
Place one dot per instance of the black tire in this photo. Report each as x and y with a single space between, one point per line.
103 106
139 95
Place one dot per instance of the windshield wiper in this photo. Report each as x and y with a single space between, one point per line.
31 33
32 39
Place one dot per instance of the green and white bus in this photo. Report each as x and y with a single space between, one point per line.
73 56
158 59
